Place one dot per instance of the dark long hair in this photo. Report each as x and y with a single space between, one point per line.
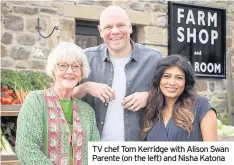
156 102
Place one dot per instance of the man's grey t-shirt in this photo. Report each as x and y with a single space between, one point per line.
139 73
114 123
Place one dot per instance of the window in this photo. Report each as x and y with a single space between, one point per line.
87 34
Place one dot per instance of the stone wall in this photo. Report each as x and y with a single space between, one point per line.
23 49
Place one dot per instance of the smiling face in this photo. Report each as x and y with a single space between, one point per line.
115 29
172 83
67 74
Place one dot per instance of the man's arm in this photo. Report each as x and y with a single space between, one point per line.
80 91
99 90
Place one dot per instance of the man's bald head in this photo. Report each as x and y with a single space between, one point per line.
115 29
112 12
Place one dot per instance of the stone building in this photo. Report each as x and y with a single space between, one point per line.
22 48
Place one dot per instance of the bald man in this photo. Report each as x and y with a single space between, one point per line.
121 72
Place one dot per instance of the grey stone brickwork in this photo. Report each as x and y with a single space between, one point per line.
6 38
12 22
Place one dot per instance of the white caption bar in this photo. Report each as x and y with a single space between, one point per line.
166 153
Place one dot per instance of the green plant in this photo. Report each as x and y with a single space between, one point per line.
27 81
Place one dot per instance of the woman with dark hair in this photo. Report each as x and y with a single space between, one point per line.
175 112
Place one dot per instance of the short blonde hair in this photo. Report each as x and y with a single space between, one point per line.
67 50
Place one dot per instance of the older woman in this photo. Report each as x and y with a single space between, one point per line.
175 112
53 127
